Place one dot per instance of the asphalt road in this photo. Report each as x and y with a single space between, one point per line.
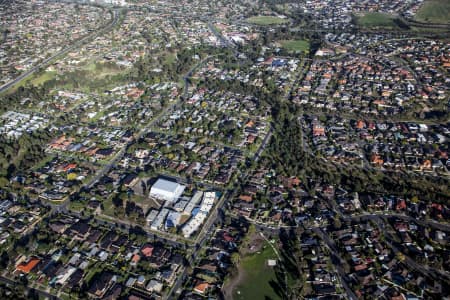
425 270
378 219
222 39
189 74
337 264
426 223
125 226
44 294
208 227
144 130
62 52
119 155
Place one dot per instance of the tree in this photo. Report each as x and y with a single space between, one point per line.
337 222
11 170
235 258
3 182
4 260
117 201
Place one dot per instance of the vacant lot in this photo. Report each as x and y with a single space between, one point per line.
36 80
101 70
376 19
266 20
434 11
295 45
42 78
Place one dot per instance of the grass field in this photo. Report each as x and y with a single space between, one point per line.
295 45
266 20
170 58
100 71
46 76
40 78
77 206
376 19
109 207
258 277
35 79
434 11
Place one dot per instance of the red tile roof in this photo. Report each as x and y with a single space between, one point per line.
201 287
30 265
136 258
147 251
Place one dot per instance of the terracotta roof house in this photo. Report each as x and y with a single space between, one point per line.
201 288
147 250
28 266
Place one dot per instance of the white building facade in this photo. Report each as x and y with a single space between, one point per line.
166 190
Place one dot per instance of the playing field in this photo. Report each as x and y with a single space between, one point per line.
259 280
295 45
266 20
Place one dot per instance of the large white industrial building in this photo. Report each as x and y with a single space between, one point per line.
166 190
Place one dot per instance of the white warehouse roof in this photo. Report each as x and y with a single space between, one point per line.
166 190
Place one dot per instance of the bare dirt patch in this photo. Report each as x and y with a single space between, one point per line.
231 285
254 244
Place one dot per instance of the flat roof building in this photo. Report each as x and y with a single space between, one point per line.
151 216
156 225
166 190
